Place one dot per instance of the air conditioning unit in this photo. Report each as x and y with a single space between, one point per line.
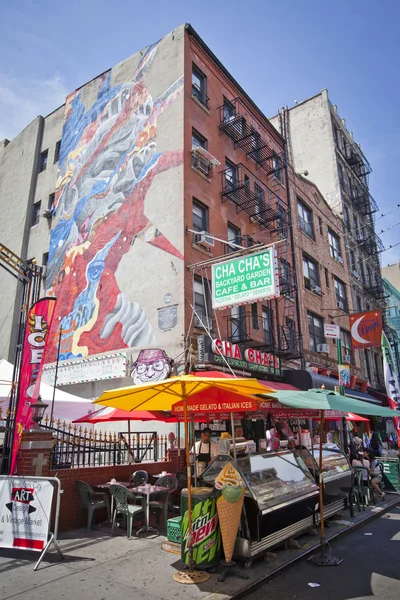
204 239
339 259
340 305
47 214
346 359
203 322
316 289
355 274
323 348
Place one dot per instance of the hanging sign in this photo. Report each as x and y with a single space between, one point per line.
25 509
366 330
344 375
245 280
95 368
212 406
331 331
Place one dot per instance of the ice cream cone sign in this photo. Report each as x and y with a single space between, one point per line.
229 506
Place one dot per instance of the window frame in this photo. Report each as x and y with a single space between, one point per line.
338 284
314 339
307 261
43 160
345 340
334 251
238 320
277 165
267 317
307 227
36 209
203 142
205 217
57 150
199 92
205 294
236 240
227 107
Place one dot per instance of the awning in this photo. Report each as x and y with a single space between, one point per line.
305 380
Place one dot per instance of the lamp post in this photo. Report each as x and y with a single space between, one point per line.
38 409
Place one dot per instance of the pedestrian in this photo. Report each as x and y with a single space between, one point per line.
362 463
376 474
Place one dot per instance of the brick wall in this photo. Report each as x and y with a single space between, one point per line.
35 448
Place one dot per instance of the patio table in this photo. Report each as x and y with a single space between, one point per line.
147 491
106 486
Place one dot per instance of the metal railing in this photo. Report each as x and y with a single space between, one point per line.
73 448
201 164
200 95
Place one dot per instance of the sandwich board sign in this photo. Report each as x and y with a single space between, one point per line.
246 279
25 511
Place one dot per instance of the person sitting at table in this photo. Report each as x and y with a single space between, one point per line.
362 462
205 449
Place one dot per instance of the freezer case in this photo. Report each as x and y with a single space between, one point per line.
280 500
336 475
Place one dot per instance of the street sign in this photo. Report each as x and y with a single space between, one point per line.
331 331
245 279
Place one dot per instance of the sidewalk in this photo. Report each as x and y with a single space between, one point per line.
101 566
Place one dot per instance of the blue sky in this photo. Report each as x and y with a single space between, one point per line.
278 51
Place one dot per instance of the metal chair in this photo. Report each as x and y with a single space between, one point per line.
181 476
91 501
122 496
161 503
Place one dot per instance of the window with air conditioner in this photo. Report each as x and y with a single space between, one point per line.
202 303
315 331
305 219
199 86
201 223
311 275
345 340
334 246
340 294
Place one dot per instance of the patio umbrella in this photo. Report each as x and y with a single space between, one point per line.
109 414
321 399
162 395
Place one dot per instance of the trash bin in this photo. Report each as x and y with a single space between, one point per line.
391 474
205 527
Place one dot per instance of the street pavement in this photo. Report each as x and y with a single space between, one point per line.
370 569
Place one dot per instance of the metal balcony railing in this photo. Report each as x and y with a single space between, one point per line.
246 328
250 195
203 322
234 124
356 160
363 200
369 241
375 287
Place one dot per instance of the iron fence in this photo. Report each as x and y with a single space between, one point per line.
73 447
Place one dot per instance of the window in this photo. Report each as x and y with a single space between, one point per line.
200 218
286 287
316 331
327 283
202 303
50 204
340 293
346 217
246 181
238 321
359 305
305 219
368 366
199 86
268 326
198 141
311 273
352 260
260 200
320 226
277 166
255 145
36 213
281 223
334 246
234 236
45 259
254 315
290 333
346 343
229 111
231 177
43 160
341 175
368 280
57 152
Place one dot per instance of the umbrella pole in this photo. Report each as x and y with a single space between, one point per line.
189 480
194 453
324 559
233 439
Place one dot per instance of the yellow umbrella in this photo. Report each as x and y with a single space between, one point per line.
163 394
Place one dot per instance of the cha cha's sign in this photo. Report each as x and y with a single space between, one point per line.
249 359
244 280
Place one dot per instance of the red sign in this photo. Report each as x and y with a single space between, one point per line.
211 406
252 356
280 410
37 328
366 330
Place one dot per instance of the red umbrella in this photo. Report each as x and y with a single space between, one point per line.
108 414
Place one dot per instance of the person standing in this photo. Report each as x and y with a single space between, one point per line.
206 450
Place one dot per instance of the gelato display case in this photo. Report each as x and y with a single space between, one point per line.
336 475
279 502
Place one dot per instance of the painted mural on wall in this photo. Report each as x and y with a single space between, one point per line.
150 366
107 164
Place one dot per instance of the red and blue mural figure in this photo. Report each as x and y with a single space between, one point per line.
108 162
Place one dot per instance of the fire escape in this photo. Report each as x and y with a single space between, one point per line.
362 199
275 330
357 161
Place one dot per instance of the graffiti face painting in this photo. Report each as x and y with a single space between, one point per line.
151 366
108 162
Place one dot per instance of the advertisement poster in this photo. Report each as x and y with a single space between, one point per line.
36 332
344 375
25 510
